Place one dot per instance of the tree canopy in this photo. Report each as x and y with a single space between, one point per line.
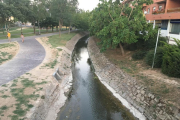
63 10
118 23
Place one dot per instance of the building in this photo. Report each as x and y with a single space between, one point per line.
166 13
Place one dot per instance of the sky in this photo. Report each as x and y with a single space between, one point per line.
88 4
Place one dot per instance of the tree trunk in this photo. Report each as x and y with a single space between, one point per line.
52 29
69 29
39 28
56 28
8 28
66 27
46 29
5 27
122 50
60 28
21 27
3 31
34 28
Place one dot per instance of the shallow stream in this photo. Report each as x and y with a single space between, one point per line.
89 99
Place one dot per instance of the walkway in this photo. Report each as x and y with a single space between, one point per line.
30 55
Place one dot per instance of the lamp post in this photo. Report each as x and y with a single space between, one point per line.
159 28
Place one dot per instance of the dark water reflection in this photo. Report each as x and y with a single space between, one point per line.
89 99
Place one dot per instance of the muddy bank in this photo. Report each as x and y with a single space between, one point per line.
126 86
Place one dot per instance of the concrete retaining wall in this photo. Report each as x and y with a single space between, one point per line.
55 97
127 87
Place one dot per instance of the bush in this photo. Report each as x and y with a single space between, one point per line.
146 45
158 58
171 61
139 55
150 43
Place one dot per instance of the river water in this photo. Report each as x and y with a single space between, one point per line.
89 99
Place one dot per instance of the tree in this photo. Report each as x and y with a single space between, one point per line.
48 22
33 16
117 23
59 10
81 19
5 13
19 9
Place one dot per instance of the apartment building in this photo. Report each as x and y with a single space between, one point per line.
166 13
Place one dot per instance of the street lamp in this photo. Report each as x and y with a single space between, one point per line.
159 28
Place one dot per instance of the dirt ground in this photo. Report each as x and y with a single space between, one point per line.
8 51
164 87
20 95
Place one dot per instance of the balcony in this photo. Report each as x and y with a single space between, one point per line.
173 10
163 16
159 1
158 12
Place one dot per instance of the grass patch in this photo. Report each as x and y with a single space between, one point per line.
55 41
5 85
4 107
4 56
59 49
2 91
16 32
14 117
30 106
6 45
52 64
19 112
5 96
13 85
22 99
28 83
42 97
39 89
1 112
44 82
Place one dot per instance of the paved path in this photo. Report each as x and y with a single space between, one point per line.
30 55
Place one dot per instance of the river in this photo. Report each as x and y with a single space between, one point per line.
89 99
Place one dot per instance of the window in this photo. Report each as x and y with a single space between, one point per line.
160 8
175 29
154 8
148 10
164 24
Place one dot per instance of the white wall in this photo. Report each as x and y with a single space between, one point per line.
175 36
164 33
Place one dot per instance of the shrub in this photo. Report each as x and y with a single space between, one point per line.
171 60
150 43
158 58
139 55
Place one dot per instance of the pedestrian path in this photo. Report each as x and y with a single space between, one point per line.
30 55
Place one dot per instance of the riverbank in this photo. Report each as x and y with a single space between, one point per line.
31 95
55 93
128 88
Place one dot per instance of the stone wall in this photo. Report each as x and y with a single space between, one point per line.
127 87
55 98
